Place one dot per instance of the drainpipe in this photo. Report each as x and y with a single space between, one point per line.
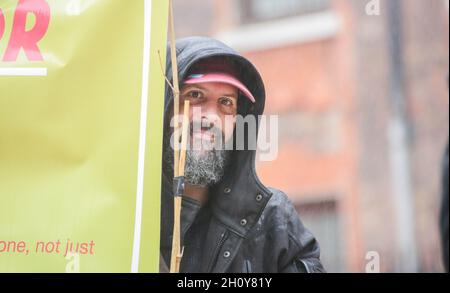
399 153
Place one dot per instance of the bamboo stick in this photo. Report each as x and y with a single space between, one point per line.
184 137
179 163
177 253
178 200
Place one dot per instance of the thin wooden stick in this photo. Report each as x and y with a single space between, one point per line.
176 251
178 199
184 137
162 70
175 259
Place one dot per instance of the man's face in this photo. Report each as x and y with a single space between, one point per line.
212 117
213 109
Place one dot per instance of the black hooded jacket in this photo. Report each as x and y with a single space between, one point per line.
245 227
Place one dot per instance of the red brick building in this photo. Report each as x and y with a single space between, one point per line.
361 93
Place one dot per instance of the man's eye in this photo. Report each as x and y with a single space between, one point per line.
226 102
195 95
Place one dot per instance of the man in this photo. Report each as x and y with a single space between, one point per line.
230 221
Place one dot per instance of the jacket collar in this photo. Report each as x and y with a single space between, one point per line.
239 200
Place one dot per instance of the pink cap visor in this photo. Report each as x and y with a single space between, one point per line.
220 78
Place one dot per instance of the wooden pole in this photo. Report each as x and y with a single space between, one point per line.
178 199
184 137
179 156
177 252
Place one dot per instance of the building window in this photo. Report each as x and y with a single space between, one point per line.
265 10
322 219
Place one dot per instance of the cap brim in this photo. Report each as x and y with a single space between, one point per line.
220 78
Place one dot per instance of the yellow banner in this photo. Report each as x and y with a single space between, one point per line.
81 114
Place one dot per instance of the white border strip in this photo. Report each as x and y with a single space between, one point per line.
142 136
17 71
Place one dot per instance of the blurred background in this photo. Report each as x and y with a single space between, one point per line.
361 91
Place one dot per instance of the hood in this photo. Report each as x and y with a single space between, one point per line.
240 180
194 49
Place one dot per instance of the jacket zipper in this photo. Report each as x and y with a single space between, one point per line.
218 248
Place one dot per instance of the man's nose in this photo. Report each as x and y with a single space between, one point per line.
207 122
209 116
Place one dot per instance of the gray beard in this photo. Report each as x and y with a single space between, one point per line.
204 168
